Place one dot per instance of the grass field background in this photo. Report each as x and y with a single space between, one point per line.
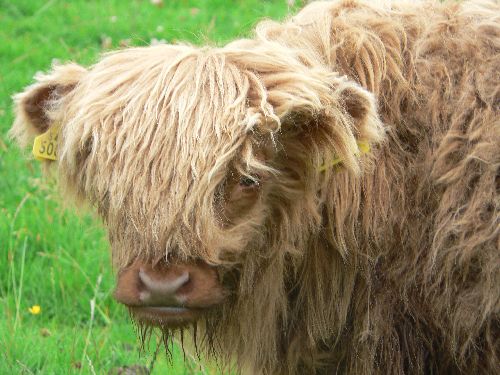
50 256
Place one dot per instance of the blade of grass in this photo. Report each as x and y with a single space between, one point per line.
10 250
20 292
91 322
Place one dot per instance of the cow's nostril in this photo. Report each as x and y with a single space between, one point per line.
163 290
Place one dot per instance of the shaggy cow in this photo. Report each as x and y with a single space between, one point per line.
322 198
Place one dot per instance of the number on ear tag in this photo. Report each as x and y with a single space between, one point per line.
45 145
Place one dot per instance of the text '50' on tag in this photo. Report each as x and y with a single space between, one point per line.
45 145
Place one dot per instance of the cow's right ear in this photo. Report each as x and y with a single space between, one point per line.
36 108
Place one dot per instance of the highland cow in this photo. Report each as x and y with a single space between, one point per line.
321 198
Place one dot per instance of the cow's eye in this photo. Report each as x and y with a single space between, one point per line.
249 181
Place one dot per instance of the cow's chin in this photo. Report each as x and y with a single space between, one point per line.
166 316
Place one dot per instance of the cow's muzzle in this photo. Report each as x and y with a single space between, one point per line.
169 295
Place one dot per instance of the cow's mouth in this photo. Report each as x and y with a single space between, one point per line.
169 316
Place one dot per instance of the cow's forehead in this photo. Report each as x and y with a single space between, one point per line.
161 119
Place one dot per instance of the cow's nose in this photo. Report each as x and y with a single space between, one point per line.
162 291
192 285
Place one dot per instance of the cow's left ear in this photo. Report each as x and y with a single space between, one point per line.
327 113
36 106
310 108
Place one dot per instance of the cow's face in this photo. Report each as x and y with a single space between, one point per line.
203 164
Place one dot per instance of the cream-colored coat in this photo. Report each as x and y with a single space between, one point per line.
389 264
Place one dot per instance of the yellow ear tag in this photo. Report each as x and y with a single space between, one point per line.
364 148
45 145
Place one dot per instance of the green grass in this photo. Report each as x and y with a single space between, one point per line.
50 256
